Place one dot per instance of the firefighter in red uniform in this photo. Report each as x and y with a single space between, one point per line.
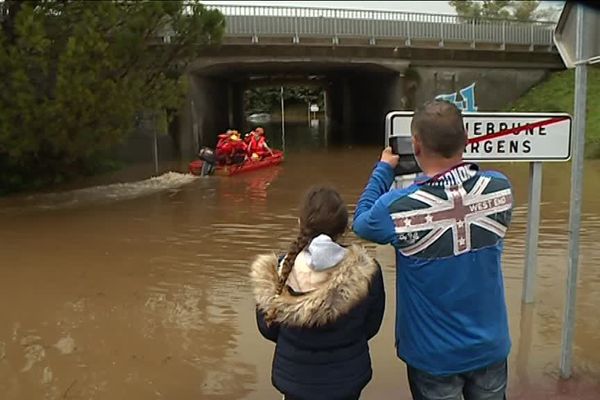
257 145
230 148
223 149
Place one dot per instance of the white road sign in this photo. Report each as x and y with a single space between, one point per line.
505 136
314 108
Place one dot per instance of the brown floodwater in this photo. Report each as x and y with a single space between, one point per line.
140 290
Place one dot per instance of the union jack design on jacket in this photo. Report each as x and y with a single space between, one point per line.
448 233
458 213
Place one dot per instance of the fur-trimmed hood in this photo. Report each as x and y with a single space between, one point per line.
347 285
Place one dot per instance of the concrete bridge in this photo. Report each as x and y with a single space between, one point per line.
369 62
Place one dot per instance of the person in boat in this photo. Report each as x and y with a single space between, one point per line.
257 145
239 148
321 303
223 138
231 149
223 147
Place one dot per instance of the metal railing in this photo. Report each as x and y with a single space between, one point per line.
301 22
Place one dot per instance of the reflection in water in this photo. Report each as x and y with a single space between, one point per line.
248 190
119 293
298 135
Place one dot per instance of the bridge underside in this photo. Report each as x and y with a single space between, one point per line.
359 93
362 83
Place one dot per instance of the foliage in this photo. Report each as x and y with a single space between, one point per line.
556 95
76 74
503 9
266 99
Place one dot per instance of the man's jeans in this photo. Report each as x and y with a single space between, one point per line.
488 383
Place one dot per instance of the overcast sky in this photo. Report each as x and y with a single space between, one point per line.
414 6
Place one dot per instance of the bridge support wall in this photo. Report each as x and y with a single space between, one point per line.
205 112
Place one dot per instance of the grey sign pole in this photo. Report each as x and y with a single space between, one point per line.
578 142
533 229
155 129
156 121
283 121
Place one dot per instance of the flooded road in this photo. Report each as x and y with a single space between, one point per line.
140 290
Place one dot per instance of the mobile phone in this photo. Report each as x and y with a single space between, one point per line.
402 145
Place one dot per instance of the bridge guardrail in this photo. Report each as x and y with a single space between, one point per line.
297 22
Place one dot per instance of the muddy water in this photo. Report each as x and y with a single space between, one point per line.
140 290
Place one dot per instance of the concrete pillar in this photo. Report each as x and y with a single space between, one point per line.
230 101
189 127
347 117
328 112
235 105
205 114
396 97
238 105
335 110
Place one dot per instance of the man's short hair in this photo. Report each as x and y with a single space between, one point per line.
440 127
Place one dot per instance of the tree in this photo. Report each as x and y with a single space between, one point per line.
76 74
265 99
518 10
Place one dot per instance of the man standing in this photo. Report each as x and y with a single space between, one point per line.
447 229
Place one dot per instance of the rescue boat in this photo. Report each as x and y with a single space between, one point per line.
203 166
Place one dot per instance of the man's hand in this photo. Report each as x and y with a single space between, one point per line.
390 158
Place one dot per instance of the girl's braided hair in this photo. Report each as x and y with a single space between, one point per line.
322 211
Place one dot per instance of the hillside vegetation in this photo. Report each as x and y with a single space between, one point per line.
555 94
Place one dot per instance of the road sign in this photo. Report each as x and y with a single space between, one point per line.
314 108
565 35
505 136
577 37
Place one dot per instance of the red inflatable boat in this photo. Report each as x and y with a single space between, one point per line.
195 166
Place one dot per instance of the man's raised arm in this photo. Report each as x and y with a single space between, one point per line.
372 220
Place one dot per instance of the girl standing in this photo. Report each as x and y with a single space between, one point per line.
320 304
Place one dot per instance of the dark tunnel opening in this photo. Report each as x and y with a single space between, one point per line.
356 99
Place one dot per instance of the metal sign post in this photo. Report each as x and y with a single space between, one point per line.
533 229
155 144
326 116
577 38
195 127
282 121
155 152
308 113
575 204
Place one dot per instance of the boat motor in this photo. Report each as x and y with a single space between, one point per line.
407 165
207 155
